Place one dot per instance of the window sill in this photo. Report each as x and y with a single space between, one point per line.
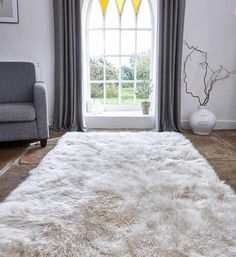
120 120
121 114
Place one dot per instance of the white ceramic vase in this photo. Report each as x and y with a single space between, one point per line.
202 121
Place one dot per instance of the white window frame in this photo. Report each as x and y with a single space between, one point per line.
118 107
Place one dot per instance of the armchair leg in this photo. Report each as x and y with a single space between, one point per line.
43 142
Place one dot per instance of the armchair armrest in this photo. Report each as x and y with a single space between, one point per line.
40 103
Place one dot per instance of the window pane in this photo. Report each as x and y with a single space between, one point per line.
112 15
136 5
127 93
144 16
112 42
96 16
127 68
97 92
127 42
140 97
112 68
143 42
112 93
143 67
104 5
128 15
98 48
120 5
96 69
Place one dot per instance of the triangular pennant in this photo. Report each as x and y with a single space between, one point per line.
136 4
120 5
104 5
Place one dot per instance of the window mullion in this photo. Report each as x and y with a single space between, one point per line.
88 68
119 59
104 63
125 29
117 55
116 81
135 58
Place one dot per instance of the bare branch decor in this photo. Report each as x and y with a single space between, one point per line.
211 77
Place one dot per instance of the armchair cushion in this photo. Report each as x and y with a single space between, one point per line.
17 112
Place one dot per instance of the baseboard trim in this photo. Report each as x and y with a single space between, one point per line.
221 124
149 124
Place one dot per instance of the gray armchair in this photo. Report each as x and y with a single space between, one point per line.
23 104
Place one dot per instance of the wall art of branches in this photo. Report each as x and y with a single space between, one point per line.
210 77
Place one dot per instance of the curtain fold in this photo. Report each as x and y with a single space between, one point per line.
171 29
68 107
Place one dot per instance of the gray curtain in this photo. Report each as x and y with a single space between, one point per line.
171 28
68 114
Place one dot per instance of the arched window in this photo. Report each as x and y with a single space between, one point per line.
119 42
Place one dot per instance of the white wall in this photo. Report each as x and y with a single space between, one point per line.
32 40
211 25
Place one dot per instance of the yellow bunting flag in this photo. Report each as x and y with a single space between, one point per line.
104 5
120 5
136 4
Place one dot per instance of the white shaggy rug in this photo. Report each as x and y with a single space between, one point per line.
120 195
